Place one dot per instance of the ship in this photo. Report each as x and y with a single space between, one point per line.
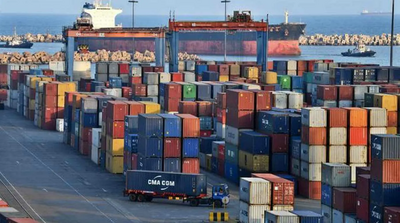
366 12
283 38
17 43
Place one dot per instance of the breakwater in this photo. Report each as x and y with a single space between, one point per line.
348 40
35 38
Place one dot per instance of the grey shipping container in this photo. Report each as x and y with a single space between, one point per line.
336 175
89 105
385 147
161 182
102 68
308 216
172 165
113 68
150 78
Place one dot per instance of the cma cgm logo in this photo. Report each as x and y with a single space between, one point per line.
157 181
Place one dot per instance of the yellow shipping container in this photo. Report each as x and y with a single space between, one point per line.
115 146
392 130
271 78
151 107
65 87
251 72
33 80
208 161
223 78
39 86
61 101
389 102
255 163
32 104
115 164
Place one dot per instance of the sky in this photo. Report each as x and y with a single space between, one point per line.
203 7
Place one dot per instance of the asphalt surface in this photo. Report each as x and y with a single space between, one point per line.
52 182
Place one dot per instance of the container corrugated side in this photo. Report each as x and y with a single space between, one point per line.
358 154
386 171
255 191
337 136
308 216
280 217
327 213
384 194
252 213
337 154
377 117
383 147
336 175
313 117
337 216
232 135
313 154
311 171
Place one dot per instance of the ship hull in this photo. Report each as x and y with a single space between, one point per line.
22 46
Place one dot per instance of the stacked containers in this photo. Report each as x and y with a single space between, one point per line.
190 143
96 146
170 95
337 135
218 153
88 121
357 139
188 91
385 177
344 202
334 176
221 115
390 103
313 151
151 80
205 114
131 142
254 152
49 106
363 198
116 112
62 88
327 95
255 199
280 217
377 124
172 144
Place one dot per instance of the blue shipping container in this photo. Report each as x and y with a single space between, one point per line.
295 148
151 125
132 142
150 147
385 147
254 143
90 120
291 178
384 194
206 123
190 147
115 82
273 122
279 163
280 65
206 144
214 165
295 124
132 124
308 216
103 159
376 213
244 173
161 91
343 76
172 165
151 164
232 172
210 76
172 126
77 115
200 68
204 92
37 72
297 82
326 195
95 84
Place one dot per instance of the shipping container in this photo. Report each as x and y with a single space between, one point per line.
385 147
363 186
272 122
377 117
190 147
384 194
357 117
191 165
344 200
172 125
311 171
392 215
254 163
326 195
389 102
255 191
295 167
280 217
232 134
240 99
172 165
190 125
172 148
336 175
337 117
345 92
386 171
314 117
337 136
358 136
279 143
150 164
308 216
376 213
327 213
313 135
150 147
252 213
282 189
240 119
279 163
231 172
362 209
313 154
254 142
151 125
231 153
358 154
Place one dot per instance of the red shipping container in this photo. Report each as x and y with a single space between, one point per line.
48 72
389 90
115 129
363 170
171 104
135 108
345 93
178 77
282 190
199 77
313 135
50 113
240 119
135 80
190 165
362 209
221 153
263 100
221 115
190 126
240 99
123 68
358 136
116 110
385 171
344 200
173 90
172 148
327 92
337 117
221 168
158 69
84 134
134 161
205 108
311 64
3 78
221 100
363 186
279 143
188 107
391 215
139 90
127 92
69 97
235 78
223 69
213 68
60 112
49 124
310 189
392 118
268 87
270 65
206 133
88 87
84 148
302 65
3 95
146 69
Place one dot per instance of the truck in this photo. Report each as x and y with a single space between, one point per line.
142 186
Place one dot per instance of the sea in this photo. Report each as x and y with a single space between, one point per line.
323 24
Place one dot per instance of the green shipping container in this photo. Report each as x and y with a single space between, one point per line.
284 81
369 100
231 153
308 77
188 90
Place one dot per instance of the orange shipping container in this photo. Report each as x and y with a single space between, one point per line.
358 136
337 117
190 126
313 135
392 119
357 117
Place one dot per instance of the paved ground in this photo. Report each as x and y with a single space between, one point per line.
52 182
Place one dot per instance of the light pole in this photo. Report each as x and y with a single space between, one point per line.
225 2
133 11
391 37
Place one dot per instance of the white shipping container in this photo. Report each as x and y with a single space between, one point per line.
232 134
337 154
359 91
321 78
152 90
313 154
251 87
150 78
96 137
279 100
292 65
380 130
292 72
181 65
328 104
255 191
295 100
136 71
100 118
189 77
252 213
313 117
377 117
117 92
337 136
311 171
320 66
337 216
165 77
343 104
358 154
95 155
309 87
327 213
374 89
82 66
295 167
280 217
221 128
190 65
353 171
60 125
57 65
282 208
